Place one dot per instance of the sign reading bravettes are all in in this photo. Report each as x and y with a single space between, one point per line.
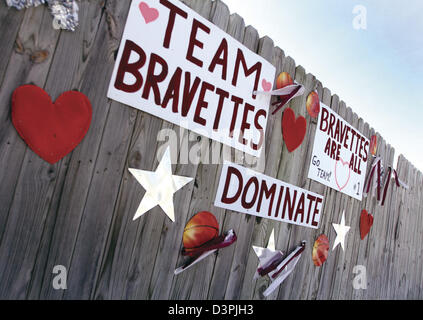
244 190
340 154
178 66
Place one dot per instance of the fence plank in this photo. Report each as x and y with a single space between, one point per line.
10 20
20 70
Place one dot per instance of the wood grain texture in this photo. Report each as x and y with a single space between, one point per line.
78 213
20 70
10 22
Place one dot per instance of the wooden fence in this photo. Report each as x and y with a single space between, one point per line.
78 212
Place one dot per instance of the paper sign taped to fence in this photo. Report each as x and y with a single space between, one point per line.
176 65
340 154
247 191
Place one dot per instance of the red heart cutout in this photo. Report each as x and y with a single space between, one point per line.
51 130
293 130
366 222
149 14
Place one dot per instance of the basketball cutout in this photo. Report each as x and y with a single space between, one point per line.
200 229
320 250
283 80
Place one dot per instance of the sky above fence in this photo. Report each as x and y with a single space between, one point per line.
377 69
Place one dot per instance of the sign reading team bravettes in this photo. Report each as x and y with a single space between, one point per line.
247 191
340 154
178 66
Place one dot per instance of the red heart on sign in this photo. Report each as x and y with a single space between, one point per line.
51 130
293 130
366 222
149 14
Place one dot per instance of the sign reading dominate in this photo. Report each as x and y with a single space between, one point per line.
178 66
244 190
340 154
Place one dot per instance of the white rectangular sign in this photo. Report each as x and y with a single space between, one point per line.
340 154
247 191
176 65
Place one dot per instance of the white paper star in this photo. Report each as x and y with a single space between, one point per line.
341 231
265 254
160 186
270 245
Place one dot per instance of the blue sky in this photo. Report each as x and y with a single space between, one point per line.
378 72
